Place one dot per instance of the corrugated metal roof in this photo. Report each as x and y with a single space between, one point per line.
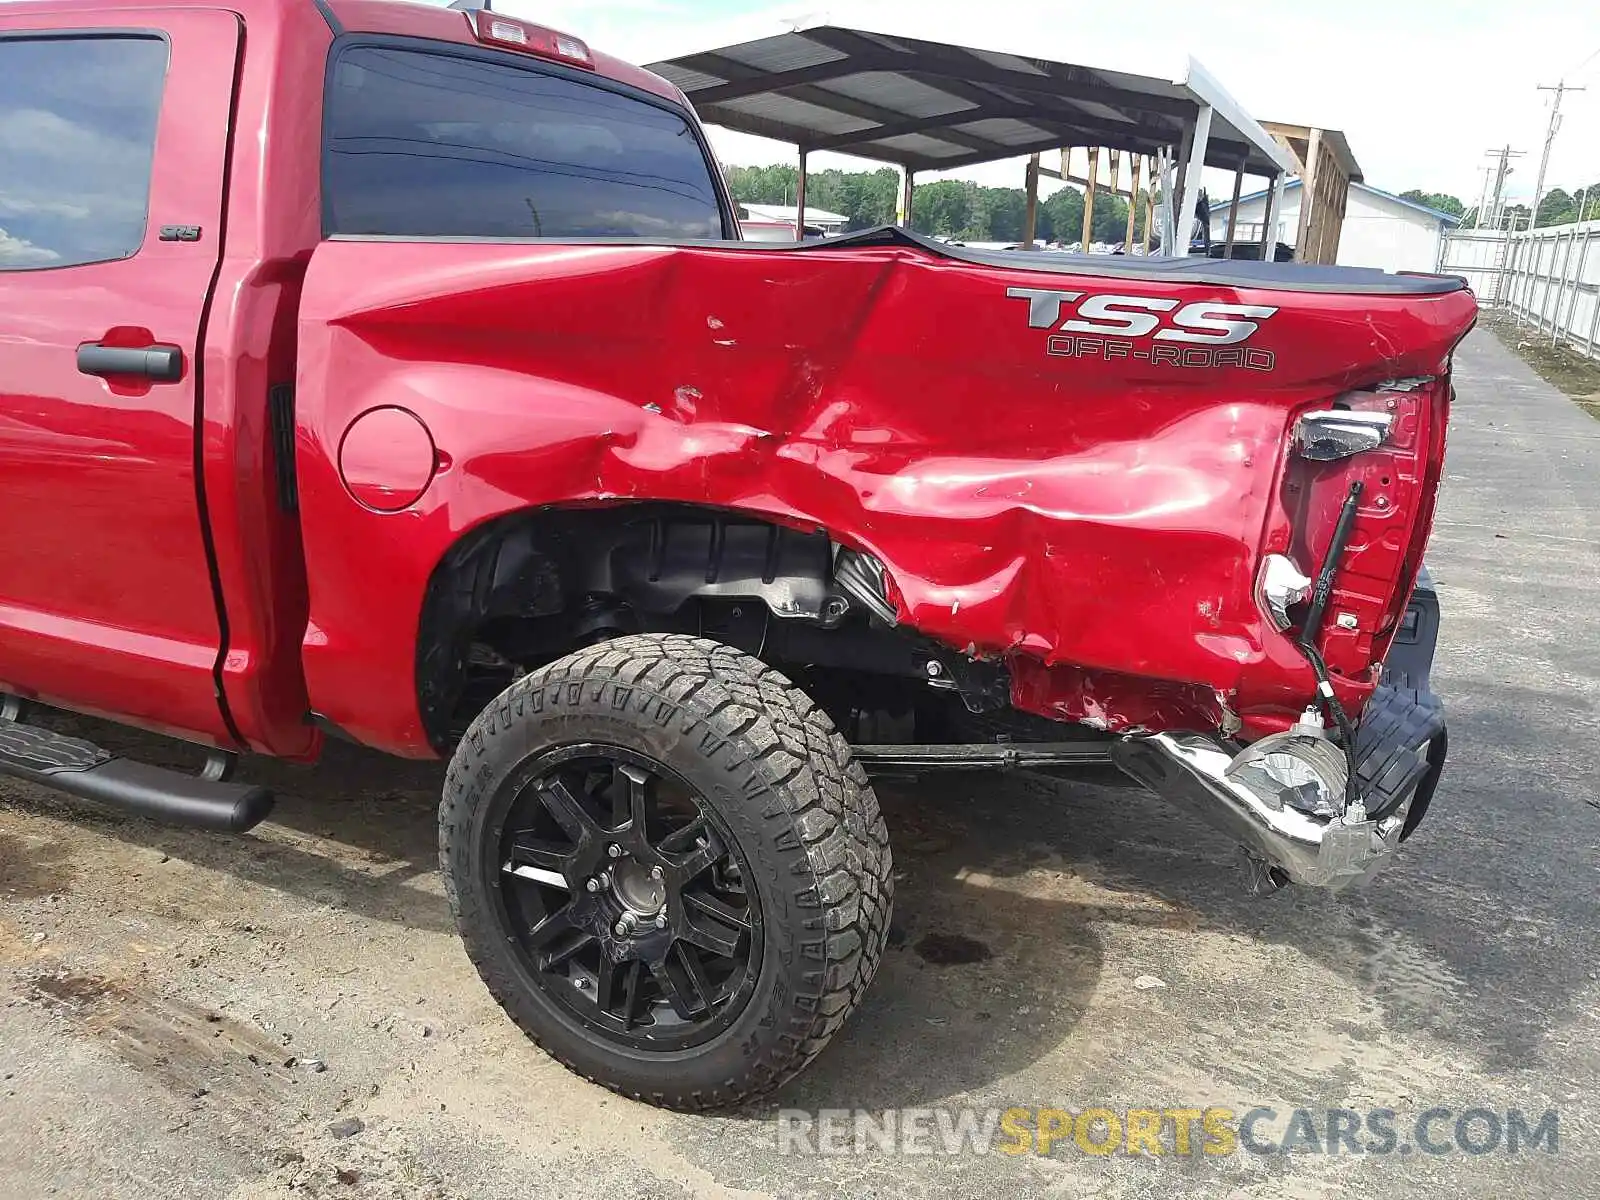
1104 112
691 81
1006 62
782 109
890 98
899 93
922 145
1143 83
1004 130
782 53
881 40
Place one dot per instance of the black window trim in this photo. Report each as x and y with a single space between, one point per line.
346 42
95 34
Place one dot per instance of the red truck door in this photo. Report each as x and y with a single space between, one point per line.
114 130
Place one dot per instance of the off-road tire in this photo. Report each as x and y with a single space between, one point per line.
784 784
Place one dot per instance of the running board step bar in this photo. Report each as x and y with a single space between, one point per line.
982 756
81 768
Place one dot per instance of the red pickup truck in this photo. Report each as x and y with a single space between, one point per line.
397 373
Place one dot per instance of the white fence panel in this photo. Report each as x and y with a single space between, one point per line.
1546 278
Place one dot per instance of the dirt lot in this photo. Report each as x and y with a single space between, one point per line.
288 1014
1559 365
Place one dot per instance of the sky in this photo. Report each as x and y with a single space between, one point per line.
1421 88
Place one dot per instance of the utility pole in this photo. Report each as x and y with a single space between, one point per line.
1483 199
1505 154
1560 89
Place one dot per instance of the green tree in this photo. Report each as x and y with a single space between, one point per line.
1588 202
1517 215
949 208
952 208
1556 207
1008 210
1110 219
763 185
867 198
1444 202
1064 213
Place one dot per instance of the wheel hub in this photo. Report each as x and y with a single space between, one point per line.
641 889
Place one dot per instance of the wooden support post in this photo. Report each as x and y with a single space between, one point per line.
1149 201
800 200
1133 201
1088 197
1233 209
1336 190
1030 212
1319 213
1335 230
908 188
1304 251
1066 174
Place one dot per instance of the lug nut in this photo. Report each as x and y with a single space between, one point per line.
935 669
614 850
655 872
661 921
593 885
580 983
620 929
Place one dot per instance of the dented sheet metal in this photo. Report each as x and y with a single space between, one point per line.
1078 473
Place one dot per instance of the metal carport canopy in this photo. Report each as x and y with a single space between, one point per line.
933 106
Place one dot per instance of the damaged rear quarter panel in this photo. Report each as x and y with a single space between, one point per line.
1098 519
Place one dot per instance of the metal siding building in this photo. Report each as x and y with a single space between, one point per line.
1380 229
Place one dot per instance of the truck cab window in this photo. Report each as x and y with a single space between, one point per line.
77 135
422 144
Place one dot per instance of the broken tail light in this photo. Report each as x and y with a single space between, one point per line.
1389 439
1339 433
509 33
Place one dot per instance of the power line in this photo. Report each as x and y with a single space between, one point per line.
1578 70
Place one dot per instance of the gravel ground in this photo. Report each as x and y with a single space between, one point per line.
1557 363
289 1013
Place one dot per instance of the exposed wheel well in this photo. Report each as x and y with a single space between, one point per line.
536 585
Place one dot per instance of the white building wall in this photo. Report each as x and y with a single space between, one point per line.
1252 213
1377 231
1380 233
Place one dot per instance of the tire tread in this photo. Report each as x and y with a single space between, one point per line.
808 764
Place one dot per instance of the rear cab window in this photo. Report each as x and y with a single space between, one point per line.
434 141
78 116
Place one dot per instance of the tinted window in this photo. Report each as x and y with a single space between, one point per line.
77 135
424 144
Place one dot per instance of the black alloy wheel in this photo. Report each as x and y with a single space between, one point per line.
667 867
627 897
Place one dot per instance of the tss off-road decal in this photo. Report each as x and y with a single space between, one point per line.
1205 333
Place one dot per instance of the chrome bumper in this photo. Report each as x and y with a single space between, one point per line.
1188 769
